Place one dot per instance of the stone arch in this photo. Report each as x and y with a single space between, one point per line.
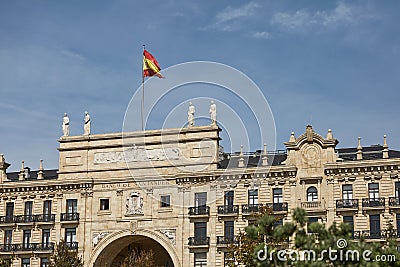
113 237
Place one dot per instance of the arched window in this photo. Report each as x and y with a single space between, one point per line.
312 194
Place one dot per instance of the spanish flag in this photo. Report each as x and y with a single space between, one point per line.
150 65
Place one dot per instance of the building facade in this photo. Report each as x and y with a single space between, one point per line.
173 191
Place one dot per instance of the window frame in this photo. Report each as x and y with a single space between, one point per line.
165 201
104 204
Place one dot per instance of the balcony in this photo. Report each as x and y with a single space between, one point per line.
313 206
374 234
27 218
228 210
72 245
69 217
278 207
31 247
394 202
373 203
225 240
201 241
347 204
201 211
251 208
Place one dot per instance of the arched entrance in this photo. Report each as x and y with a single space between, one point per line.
112 250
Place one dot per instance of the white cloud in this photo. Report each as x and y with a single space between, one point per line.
343 14
227 19
231 13
261 35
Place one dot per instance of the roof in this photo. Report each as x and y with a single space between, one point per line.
48 174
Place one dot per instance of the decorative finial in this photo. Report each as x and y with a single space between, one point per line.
241 159
265 157
21 175
292 138
359 149
329 136
40 172
385 152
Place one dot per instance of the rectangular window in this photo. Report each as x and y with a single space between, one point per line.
8 237
229 229
397 190
47 207
26 262
373 191
278 222
72 206
70 236
104 204
45 237
229 197
27 238
350 221
28 208
227 259
9 212
200 259
44 262
200 229
375 226
347 192
311 220
165 201
278 195
398 224
253 196
200 199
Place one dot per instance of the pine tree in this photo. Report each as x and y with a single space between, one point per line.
310 238
5 262
64 257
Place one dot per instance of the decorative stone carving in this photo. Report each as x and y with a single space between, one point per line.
134 204
312 156
65 125
170 234
97 237
86 126
137 153
191 114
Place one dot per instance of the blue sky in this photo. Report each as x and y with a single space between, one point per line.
334 64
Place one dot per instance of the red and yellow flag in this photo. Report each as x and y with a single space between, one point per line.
150 66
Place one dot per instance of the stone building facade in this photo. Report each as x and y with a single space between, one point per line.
175 192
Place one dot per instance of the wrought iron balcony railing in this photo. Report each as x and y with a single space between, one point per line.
228 209
251 208
27 247
225 240
380 234
27 218
394 201
69 217
373 202
278 206
200 210
72 245
199 241
347 204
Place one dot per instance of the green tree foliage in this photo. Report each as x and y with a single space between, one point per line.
64 257
5 262
143 258
302 244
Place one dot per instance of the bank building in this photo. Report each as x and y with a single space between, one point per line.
175 192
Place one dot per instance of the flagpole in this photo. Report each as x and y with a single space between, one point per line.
144 47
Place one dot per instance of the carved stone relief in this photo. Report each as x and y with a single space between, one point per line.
134 204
